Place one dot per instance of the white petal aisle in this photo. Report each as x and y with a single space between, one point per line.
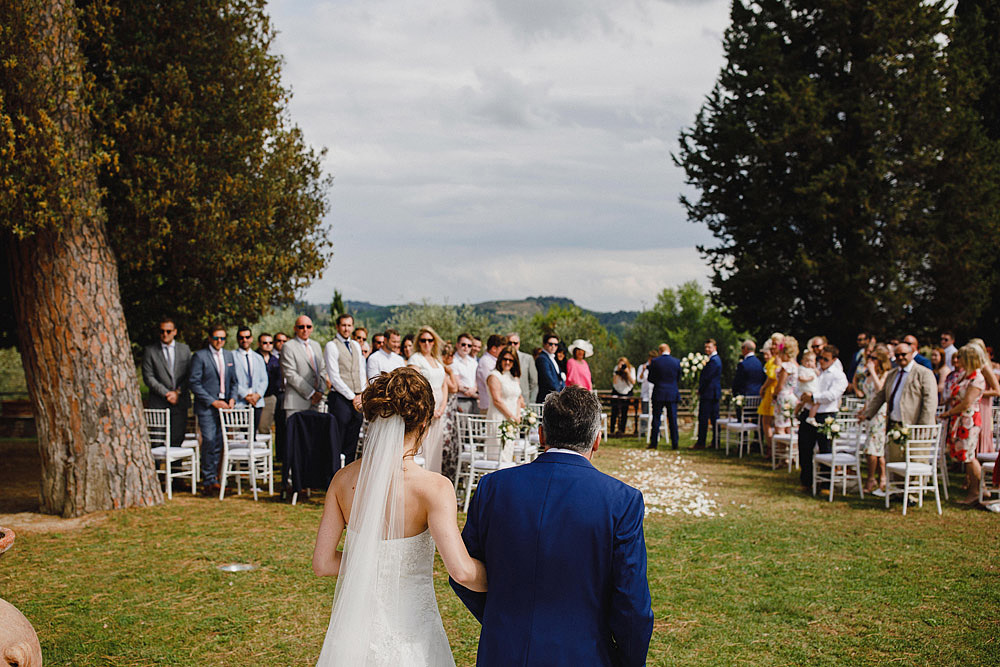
668 483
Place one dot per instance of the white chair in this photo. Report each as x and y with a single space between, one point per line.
942 466
728 418
747 428
919 464
191 441
986 485
242 454
851 404
158 425
843 459
484 447
525 448
785 447
464 451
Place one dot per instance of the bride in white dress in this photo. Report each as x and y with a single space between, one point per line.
428 362
384 608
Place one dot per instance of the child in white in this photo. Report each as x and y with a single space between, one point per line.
808 382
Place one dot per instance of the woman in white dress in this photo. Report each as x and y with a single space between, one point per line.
506 401
428 362
384 610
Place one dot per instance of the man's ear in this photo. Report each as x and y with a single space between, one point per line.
597 441
541 436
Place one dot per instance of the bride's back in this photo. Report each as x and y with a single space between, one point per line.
418 486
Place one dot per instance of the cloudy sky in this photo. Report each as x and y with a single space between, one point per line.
491 149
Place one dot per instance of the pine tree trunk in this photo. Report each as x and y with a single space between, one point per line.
71 326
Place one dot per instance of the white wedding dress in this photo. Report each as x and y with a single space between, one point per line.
385 613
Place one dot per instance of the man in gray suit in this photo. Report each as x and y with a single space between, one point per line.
303 369
529 374
165 368
910 392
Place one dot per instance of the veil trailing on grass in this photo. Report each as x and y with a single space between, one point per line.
368 585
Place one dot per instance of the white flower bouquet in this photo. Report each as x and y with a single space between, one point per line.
899 435
529 418
739 400
830 428
788 409
508 431
691 366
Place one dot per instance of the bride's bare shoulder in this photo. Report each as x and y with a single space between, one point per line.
347 477
431 484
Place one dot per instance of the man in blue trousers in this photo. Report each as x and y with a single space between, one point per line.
664 371
709 393
213 383
564 551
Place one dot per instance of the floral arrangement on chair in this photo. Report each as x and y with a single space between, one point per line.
788 410
528 418
899 435
830 428
738 400
508 431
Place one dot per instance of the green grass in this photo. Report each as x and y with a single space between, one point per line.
781 579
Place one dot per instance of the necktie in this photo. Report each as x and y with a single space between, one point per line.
312 361
348 344
222 373
168 352
249 372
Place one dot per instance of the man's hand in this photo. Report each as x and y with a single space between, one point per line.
357 402
316 398
172 397
806 397
231 403
252 398
220 404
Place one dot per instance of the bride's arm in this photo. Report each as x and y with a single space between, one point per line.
326 558
442 519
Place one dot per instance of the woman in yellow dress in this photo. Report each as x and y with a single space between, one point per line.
765 410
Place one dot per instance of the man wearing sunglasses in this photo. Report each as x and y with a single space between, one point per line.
213 382
251 376
303 369
165 368
465 364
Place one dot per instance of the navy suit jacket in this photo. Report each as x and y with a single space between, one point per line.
749 378
923 361
664 371
566 562
549 379
710 381
204 378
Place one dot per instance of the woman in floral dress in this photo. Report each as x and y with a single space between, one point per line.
963 415
877 366
788 382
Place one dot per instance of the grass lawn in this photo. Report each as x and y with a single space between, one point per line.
781 579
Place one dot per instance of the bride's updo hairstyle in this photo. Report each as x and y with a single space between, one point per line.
402 392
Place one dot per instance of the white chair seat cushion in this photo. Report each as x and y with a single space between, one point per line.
840 459
175 452
899 467
239 444
190 444
988 468
741 426
262 437
492 465
244 453
987 457
722 421
785 438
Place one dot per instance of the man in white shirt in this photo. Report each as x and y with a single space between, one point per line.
831 385
550 378
948 345
477 347
487 363
465 366
345 371
387 358
251 376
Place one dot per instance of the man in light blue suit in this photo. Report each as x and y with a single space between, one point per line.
213 383
709 394
564 551
664 371
251 376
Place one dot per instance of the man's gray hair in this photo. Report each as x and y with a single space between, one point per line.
749 345
571 419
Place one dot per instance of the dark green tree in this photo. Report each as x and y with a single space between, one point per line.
831 169
214 202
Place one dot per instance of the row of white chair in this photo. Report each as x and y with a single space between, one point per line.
244 453
481 452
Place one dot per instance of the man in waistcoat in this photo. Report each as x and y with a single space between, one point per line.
345 370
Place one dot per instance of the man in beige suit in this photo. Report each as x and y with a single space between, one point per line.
910 392
303 369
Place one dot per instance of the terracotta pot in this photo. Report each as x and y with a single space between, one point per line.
6 539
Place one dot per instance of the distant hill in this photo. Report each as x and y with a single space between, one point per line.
616 323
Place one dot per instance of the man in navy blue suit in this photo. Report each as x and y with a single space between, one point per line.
663 374
750 375
564 552
709 393
213 383
549 377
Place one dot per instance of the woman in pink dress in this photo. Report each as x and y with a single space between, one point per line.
986 402
964 416
577 369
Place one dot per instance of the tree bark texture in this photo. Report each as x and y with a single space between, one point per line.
74 343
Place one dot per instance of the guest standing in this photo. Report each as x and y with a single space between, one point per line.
265 348
428 362
449 438
750 374
303 368
622 382
213 383
831 385
645 386
577 368
487 363
986 400
165 368
506 402
709 393
964 416
664 372
787 383
872 381
465 366
549 377
251 376
529 374
386 358
347 376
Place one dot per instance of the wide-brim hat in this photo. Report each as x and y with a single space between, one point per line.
583 345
